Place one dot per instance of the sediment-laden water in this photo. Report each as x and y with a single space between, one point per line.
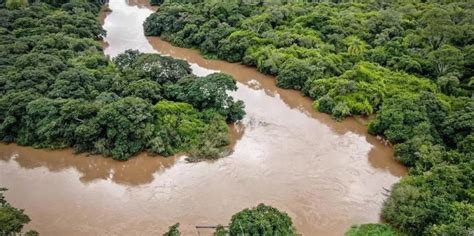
326 175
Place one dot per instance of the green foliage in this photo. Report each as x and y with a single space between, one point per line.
312 36
182 128
209 92
158 68
355 46
409 63
173 230
294 74
156 2
58 90
12 219
16 4
404 116
145 89
362 90
460 122
371 230
31 233
220 231
446 59
261 220
127 123
435 200
462 218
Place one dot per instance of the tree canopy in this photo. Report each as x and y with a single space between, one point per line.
12 219
262 220
409 64
59 90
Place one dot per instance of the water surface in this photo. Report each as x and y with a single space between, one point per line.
326 175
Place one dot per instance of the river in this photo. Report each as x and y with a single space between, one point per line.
326 175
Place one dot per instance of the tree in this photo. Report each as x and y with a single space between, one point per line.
74 83
12 219
159 68
234 46
16 4
58 90
459 223
261 220
220 231
180 127
125 60
371 230
145 89
419 204
414 216
385 25
294 74
445 59
12 110
173 230
127 123
410 64
403 117
210 92
438 27
448 84
460 122
355 46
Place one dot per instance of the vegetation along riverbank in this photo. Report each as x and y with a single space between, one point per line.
408 62
59 90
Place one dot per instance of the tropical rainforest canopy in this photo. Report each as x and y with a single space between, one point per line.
410 63
57 89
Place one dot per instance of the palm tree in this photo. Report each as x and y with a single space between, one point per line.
355 45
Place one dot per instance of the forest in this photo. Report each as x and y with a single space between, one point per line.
58 90
408 65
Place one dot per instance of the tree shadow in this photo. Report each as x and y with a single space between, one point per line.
136 171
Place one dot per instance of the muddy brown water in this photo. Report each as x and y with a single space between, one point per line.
326 175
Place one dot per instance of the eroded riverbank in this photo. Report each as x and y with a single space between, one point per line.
326 175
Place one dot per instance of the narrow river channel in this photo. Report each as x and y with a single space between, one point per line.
326 175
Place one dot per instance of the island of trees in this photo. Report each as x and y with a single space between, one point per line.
409 63
59 90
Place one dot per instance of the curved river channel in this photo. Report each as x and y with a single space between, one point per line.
326 175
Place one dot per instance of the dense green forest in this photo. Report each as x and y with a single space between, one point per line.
410 63
59 90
